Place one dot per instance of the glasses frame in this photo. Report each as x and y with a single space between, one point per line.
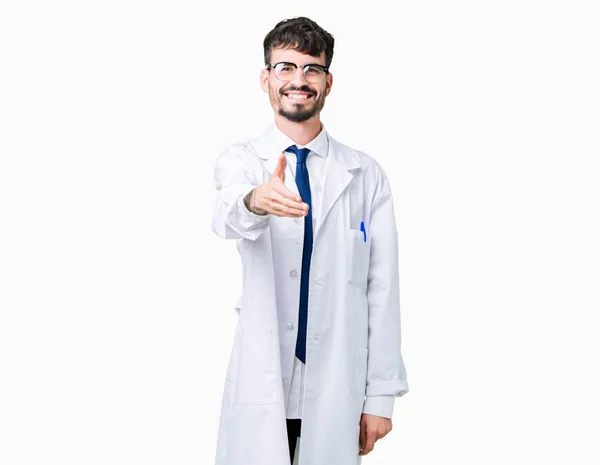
272 66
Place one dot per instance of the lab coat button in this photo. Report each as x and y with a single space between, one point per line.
284 382
317 337
290 327
293 273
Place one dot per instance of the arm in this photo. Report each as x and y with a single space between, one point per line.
386 374
235 183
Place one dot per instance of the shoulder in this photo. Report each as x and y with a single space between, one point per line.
239 153
244 148
372 170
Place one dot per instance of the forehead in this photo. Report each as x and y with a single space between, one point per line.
293 56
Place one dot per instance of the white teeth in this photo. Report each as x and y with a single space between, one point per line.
298 96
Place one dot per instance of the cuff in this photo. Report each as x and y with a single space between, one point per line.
381 406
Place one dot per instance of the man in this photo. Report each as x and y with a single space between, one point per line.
319 316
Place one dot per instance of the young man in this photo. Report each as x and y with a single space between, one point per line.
319 316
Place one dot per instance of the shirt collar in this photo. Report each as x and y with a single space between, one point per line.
319 145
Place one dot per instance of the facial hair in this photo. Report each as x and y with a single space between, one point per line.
301 112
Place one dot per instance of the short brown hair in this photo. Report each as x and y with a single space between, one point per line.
301 34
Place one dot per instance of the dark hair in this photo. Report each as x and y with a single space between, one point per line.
301 34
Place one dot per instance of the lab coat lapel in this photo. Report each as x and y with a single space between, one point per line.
339 168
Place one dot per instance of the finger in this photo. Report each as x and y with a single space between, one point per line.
370 443
283 210
284 191
371 438
299 207
289 212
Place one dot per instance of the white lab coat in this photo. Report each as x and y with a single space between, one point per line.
353 333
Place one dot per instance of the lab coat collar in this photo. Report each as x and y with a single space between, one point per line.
269 148
319 145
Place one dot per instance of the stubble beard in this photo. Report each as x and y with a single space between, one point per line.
300 114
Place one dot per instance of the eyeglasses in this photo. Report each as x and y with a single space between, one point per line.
285 71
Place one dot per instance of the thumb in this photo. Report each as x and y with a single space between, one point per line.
362 438
280 168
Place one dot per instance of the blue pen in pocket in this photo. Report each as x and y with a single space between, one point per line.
363 229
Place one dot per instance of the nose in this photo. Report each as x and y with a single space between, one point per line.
299 77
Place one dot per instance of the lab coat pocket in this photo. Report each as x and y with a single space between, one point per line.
358 259
254 382
360 371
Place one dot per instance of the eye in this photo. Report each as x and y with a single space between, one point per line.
286 67
314 70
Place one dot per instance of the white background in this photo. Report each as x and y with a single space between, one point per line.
117 300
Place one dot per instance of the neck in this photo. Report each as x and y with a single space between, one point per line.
300 133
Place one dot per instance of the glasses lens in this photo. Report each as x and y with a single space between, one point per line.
313 73
285 71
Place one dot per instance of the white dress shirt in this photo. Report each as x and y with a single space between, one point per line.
315 164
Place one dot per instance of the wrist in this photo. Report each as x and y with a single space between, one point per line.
250 202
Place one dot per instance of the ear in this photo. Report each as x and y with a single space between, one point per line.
329 83
264 80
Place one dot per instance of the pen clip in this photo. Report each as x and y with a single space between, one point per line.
364 230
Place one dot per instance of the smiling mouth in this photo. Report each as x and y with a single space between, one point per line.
298 96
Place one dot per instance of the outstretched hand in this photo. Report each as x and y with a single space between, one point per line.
277 199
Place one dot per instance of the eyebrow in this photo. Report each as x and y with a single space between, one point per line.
302 66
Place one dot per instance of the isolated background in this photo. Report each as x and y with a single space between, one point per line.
117 301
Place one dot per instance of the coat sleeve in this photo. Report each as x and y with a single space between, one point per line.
386 373
382 406
234 178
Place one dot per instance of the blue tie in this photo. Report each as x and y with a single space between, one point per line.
304 191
